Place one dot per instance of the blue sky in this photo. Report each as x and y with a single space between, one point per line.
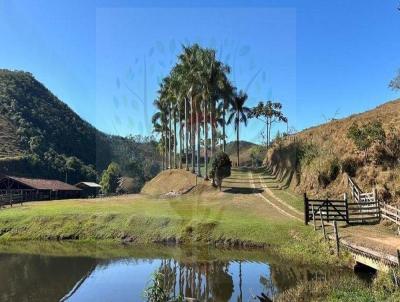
321 59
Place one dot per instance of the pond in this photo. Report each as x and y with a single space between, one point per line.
84 272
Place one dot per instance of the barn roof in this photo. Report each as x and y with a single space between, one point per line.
44 184
88 184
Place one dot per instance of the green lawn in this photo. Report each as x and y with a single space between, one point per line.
230 221
143 217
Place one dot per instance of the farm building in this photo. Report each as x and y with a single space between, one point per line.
89 189
27 189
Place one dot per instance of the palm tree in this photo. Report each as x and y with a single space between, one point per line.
238 114
186 137
157 128
165 99
181 89
212 76
220 85
228 93
159 120
170 134
198 112
174 95
188 60
195 84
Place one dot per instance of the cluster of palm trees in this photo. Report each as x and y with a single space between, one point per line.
198 98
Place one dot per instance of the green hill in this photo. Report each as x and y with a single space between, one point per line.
244 147
41 136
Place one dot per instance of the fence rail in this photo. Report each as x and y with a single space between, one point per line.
391 213
341 210
10 199
328 210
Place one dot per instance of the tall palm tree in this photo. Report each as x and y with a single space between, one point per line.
186 136
159 120
181 89
238 114
157 128
192 90
174 96
198 112
188 60
165 98
212 74
228 94
220 83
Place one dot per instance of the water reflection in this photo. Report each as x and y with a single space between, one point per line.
211 276
26 278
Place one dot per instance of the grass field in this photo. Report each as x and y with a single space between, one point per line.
234 217
237 216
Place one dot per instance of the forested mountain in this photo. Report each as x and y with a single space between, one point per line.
41 136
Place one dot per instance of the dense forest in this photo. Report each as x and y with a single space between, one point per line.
42 137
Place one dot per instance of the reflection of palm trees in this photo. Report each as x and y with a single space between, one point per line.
240 298
206 281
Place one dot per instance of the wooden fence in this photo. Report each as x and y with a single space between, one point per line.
341 210
10 199
366 212
365 207
358 195
392 214
328 209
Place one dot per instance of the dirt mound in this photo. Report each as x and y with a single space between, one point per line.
171 182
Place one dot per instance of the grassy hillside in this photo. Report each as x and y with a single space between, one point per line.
245 148
318 159
41 136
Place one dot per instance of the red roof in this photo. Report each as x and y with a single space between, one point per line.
45 184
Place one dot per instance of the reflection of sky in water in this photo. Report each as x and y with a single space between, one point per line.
118 281
125 280
41 278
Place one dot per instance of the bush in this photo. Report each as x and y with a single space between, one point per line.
306 152
334 169
367 135
221 168
109 178
349 165
257 155
393 144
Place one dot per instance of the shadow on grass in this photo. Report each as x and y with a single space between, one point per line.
243 191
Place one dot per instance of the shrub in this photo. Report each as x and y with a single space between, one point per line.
257 154
334 169
393 144
306 152
366 135
109 178
349 165
221 168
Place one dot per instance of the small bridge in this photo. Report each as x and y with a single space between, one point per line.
362 209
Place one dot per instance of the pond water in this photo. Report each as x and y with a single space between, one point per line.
70 272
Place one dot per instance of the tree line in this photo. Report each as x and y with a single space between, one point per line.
197 99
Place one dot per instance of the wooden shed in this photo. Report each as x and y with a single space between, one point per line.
89 189
27 189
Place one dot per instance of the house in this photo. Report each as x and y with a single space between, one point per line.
28 189
89 188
